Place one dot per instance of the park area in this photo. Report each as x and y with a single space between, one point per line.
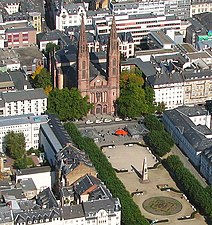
154 202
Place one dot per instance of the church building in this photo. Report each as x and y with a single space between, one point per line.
96 75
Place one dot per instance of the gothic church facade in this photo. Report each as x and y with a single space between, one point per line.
102 89
97 78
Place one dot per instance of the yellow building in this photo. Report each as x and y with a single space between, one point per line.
36 20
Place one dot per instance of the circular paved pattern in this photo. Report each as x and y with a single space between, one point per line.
162 205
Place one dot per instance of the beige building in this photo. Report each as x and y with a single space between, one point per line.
36 20
197 86
200 6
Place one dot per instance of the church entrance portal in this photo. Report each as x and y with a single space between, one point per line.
98 109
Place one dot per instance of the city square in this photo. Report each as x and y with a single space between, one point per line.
123 157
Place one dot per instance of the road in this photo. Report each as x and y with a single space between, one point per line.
82 124
175 150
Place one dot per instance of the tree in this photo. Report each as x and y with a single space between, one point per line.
50 47
131 102
160 141
152 123
15 144
42 79
160 107
150 99
68 104
135 99
20 163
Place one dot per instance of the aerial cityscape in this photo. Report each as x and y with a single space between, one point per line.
105 112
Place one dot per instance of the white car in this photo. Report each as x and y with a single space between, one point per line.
127 119
117 119
107 120
89 122
98 121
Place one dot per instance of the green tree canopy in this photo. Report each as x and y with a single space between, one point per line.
68 104
50 47
160 141
15 144
42 80
135 99
152 123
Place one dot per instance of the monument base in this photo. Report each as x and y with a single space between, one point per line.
144 181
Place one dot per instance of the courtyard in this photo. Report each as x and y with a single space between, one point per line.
153 203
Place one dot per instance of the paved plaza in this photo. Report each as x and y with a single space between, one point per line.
123 157
133 153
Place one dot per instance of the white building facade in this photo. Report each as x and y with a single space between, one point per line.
140 25
28 124
170 94
70 15
23 102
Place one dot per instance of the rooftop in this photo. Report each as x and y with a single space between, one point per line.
188 129
22 119
27 184
34 170
22 95
74 211
29 55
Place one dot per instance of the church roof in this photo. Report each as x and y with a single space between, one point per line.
67 54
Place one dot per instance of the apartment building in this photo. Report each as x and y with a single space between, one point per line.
23 102
200 6
20 37
70 15
10 6
28 124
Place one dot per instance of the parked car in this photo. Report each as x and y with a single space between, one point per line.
89 122
117 119
98 121
127 119
107 120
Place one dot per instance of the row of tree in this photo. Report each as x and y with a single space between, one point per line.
158 139
130 211
15 148
201 197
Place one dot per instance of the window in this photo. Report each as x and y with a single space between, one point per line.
9 38
25 37
16 37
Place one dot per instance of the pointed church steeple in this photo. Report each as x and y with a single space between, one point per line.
113 54
113 65
113 39
82 44
83 61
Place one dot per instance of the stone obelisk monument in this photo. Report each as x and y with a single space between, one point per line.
144 175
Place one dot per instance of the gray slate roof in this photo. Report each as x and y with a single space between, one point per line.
5 215
36 215
47 199
34 170
71 212
84 183
24 95
93 207
188 130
